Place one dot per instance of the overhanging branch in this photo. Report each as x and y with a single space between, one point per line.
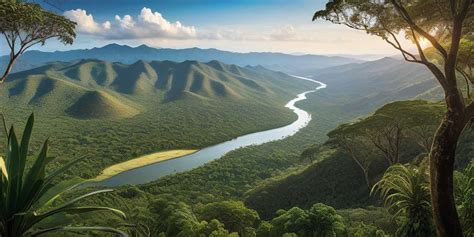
404 14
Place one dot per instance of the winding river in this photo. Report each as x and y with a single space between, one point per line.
152 172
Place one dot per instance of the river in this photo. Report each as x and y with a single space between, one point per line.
154 171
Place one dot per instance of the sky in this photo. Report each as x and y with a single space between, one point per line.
233 25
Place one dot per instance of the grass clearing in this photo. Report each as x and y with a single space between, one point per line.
141 161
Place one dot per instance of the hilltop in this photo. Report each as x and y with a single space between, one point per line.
100 89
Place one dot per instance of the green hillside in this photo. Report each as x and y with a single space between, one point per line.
115 112
335 179
98 105
369 85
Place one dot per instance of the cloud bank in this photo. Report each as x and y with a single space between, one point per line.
152 25
147 24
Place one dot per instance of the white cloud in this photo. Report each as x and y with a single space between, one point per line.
85 22
287 32
148 24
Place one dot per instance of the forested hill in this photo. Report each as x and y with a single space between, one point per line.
101 89
114 111
295 64
369 85
335 178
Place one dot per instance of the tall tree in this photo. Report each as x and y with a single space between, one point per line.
387 139
26 24
444 24
360 151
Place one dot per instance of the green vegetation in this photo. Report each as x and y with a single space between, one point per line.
319 220
405 192
28 197
98 105
464 198
447 26
103 125
26 24
336 172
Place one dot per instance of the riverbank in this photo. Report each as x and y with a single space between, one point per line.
153 172
140 162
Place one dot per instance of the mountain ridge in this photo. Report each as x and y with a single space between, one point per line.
299 64
96 89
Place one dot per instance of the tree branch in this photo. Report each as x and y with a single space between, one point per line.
418 46
404 14
464 10
469 111
467 79
452 5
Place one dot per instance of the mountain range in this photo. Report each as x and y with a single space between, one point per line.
294 64
95 89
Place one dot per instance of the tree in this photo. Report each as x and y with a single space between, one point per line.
323 221
360 151
26 24
319 221
423 136
405 192
27 196
309 154
264 229
360 229
444 24
235 216
387 140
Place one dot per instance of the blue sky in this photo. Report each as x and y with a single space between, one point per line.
234 25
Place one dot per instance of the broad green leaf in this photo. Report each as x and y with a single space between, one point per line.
85 209
40 216
36 172
25 141
80 229
46 186
12 163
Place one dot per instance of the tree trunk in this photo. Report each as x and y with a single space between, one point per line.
8 69
367 179
442 159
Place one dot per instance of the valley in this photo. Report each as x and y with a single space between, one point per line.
114 112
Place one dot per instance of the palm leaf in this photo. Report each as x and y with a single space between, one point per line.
85 209
81 229
39 217
12 165
25 141
36 173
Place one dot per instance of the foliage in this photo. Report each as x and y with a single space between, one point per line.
368 219
25 24
443 24
319 220
364 230
336 172
174 218
158 126
28 197
235 216
464 193
405 192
